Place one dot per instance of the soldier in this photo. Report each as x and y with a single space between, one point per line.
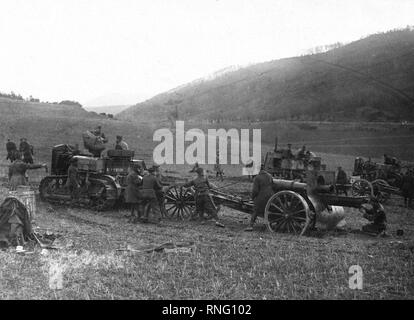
26 150
150 185
302 153
387 159
120 144
341 181
194 169
261 192
407 188
11 150
98 133
133 192
72 182
374 212
218 168
160 193
17 172
204 202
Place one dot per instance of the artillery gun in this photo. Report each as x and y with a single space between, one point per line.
293 208
102 180
371 171
281 165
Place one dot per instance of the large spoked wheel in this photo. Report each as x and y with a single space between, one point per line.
287 211
379 186
179 203
362 188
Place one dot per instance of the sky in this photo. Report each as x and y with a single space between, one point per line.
103 52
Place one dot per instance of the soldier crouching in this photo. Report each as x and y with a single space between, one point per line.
375 213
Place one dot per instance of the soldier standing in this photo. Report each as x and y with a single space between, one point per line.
204 202
11 150
218 168
341 181
407 188
133 192
150 186
17 172
261 193
72 181
26 150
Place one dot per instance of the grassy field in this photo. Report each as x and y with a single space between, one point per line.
223 263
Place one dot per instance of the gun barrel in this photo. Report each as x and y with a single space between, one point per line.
300 186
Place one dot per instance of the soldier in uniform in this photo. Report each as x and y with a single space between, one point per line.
218 168
407 188
26 150
150 186
17 172
160 193
133 193
204 202
120 144
11 150
341 181
375 213
98 133
72 181
261 193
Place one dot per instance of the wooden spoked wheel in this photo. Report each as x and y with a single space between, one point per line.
287 211
362 188
379 187
179 203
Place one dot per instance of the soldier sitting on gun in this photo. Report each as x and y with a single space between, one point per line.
120 144
374 212
204 202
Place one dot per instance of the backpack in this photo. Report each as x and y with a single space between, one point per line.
15 225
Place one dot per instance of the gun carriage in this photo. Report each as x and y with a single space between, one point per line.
293 208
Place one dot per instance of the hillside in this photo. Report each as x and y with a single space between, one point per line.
371 79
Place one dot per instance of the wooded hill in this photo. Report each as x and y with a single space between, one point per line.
371 79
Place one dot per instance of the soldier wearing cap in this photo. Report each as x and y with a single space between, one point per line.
261 193
120 144
98 133
341 181
18 170
133 192
375 213
150 186
204 202
72 181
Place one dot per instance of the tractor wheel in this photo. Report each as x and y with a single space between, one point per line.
287 211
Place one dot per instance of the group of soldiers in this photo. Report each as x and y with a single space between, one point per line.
144 193
25 151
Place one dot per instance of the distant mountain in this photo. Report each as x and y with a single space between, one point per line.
371 79
108 109
113 99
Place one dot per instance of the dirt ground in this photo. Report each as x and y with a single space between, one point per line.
221 263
